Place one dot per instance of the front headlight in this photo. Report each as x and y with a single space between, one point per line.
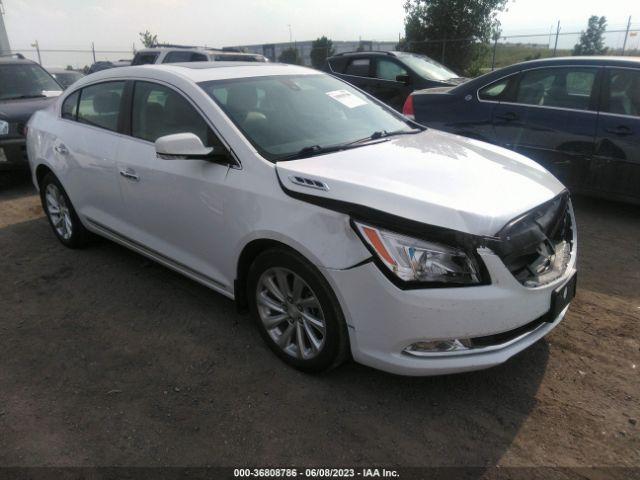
4 128
414 260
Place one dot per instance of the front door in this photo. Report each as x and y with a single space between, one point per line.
552 119
616 168
175 208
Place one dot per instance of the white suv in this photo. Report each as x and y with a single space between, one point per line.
192 54
342 226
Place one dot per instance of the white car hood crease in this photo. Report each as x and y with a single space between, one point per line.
431 177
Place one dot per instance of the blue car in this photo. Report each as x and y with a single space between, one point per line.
579 117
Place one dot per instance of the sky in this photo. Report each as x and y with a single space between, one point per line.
114 25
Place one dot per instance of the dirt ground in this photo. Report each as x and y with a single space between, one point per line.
109 359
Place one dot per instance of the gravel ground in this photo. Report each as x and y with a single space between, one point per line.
109 359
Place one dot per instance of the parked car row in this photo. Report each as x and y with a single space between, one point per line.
390 76
342 226
579 117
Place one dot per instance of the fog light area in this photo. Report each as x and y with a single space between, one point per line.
438 346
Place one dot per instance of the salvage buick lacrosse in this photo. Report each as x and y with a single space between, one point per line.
344 228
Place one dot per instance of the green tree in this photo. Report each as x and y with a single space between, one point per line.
592 40
290 55
69 67
457 30
148 39
320 50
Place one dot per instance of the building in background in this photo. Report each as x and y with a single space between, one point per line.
4 39
273 50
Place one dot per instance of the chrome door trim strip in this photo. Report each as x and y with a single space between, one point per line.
161 259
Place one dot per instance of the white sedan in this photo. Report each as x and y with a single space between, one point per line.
343 227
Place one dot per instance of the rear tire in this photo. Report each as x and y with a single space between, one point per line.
62 217
296 311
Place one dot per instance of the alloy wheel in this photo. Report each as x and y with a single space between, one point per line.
291 313
58 211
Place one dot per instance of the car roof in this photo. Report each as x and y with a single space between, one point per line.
201 71
382 53
11 60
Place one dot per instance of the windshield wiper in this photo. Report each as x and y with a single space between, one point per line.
312 150
382 134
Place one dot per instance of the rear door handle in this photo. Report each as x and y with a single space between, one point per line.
130 174
507 116
620 130
61 149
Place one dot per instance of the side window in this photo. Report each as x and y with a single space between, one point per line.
624 92
184 56
100 105
358 67
498 90
388 69
70 106
145 58
159 111
557 87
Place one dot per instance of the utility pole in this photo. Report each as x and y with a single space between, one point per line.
555 47
290 34
4 39
93 51
37 47
626 34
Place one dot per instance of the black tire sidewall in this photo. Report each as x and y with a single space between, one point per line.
79 235
335 348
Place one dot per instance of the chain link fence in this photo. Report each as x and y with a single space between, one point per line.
466 56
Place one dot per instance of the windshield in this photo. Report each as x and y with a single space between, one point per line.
25 81
282 115
428 68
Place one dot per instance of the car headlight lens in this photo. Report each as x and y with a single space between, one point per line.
413 260
4 128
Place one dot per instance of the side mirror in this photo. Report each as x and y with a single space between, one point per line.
406 79
187 146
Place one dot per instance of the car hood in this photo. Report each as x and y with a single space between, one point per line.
431 177
21 110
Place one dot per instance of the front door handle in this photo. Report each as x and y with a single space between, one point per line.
507 116
621 130
130 174
61 149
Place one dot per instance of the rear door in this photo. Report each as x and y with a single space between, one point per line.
386 87
551 117
616 167
359 72
88 142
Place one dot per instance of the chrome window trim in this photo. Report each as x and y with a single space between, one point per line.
596 67
149 80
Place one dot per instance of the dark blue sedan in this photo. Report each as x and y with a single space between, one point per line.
579 117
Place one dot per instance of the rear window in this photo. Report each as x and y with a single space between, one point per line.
100 105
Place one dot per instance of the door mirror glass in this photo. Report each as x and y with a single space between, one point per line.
185 146
406 79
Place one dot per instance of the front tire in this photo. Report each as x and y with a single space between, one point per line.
62 216
296 311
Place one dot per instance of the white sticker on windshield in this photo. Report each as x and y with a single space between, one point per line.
51 93
347 98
